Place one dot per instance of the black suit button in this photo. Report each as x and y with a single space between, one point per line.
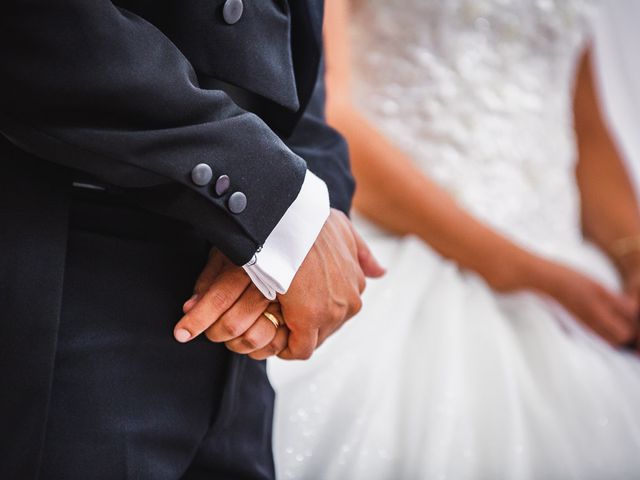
201 174
237 202
232 11
222 185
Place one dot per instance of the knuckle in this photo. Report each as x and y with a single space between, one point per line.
341 311
250 340
210 336
362 284
220 296
271 349
304 354
356 306
230 329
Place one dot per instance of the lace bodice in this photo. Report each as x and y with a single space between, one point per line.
479 94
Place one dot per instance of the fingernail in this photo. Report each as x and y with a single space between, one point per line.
182 335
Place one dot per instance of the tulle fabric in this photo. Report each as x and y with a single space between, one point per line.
439 377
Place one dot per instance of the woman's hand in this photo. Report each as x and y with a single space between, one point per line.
632 289
611 315
629 267
630 272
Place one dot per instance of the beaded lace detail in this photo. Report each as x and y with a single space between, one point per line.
479 95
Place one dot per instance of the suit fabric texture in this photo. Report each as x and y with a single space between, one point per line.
128 97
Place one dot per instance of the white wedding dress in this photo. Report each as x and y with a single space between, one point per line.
440 377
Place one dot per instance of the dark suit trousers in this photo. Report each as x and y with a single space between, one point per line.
127 400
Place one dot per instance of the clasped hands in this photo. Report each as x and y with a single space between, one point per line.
325 292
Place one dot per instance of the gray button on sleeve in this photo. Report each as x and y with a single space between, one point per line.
201 174
222 185
237 202
232 11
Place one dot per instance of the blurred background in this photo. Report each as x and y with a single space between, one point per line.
618 72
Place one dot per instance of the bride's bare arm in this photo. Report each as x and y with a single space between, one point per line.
396 195
392 192
609 205
610 213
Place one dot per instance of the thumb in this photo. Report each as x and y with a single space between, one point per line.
301 344
368 263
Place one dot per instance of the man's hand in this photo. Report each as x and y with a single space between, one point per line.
325 293
327 288
227 307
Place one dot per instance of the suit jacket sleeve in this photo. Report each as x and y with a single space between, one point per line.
93 87
324 149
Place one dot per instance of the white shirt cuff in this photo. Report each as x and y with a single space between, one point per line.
273 268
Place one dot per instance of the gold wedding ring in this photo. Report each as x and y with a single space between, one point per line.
273 319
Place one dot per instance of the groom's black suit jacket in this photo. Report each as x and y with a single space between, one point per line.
122 93
132 95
